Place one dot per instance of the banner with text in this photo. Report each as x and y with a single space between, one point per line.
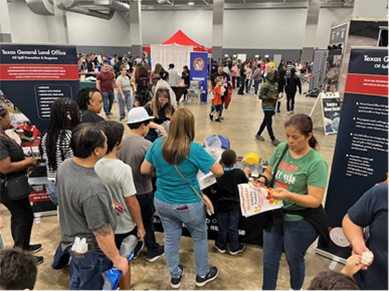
32 77
199 72
361 151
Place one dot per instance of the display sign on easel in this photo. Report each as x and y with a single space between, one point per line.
361 151
331 107
330 111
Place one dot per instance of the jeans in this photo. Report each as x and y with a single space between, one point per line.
193 216
267 122
22 218
87 270
108 98
228 223
248 88
146 203
256 85
295 237
51 189
61 258
290 101
122 103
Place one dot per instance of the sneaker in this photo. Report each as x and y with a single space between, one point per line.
289 112
176 282
139 247
212 275
241 249
275 142
39 260
160 253
222 251
218 120
35 248
210 116
259 137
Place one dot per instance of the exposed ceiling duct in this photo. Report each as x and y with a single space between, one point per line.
41 7
97 8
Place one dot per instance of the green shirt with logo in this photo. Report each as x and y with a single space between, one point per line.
296 174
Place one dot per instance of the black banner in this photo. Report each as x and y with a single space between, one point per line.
33 76
361 151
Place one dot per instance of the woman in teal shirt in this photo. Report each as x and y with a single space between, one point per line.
300 182
175 201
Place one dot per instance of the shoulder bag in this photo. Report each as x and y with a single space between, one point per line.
207 202
16 186
275 216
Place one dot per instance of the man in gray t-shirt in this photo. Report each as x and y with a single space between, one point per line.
133 152
86 210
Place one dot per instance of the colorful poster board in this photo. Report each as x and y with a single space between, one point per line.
199 72
361 150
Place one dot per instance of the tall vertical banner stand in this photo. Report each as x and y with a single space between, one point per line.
199 72
361 151
32 77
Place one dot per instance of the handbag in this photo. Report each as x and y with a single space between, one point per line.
16 186
207 202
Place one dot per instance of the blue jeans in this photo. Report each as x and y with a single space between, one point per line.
228 223
146 203
87 270
122 103
108 98
256 85
194 219
51 189
295 237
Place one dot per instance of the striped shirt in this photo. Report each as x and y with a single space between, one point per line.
63 152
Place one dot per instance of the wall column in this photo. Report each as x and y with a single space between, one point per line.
367 8
217 29
313 11
135 28
57 26
5 24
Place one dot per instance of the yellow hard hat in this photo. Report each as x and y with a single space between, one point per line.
252 158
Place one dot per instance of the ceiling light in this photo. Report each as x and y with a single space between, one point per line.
190 3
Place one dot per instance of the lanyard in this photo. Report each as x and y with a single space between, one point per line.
228 169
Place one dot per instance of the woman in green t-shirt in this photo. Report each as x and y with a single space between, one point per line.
300 182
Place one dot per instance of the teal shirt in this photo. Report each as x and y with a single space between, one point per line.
171 187
296 174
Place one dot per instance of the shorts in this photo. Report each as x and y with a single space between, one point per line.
218 108
120 237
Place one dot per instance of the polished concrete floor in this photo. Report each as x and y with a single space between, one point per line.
241 272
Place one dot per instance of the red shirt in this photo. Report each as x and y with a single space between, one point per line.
106 81
217 98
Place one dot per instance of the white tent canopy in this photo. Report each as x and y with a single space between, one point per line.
168 54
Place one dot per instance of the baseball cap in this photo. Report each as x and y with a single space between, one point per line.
138 114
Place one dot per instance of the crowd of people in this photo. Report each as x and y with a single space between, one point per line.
154 170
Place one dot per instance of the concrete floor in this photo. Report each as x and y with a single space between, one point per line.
241 272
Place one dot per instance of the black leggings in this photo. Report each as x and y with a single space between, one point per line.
22 219
267 122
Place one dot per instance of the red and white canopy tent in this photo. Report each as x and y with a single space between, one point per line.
181 39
